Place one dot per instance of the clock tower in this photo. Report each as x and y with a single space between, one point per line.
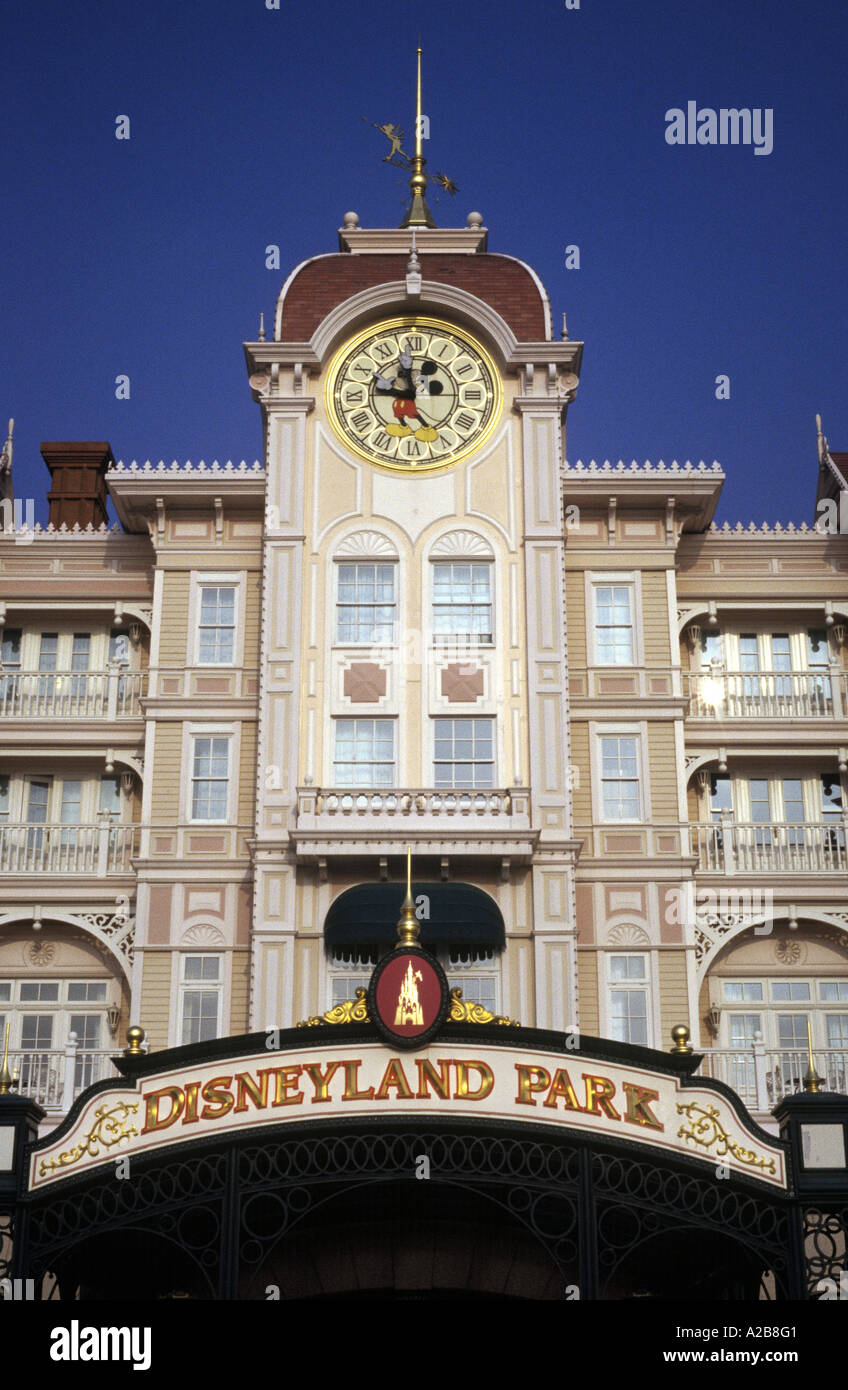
413 680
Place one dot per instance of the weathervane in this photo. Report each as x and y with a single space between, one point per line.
418 214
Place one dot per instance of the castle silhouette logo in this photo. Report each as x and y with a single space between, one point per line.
408 997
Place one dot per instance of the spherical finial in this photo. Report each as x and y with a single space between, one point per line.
680 1035
474 221
135 1037
350 221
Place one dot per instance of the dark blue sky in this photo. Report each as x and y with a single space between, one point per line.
147 256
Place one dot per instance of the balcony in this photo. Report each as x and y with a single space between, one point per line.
95 850
762 1076
777 847
334 820
55 1078
720 695
71 695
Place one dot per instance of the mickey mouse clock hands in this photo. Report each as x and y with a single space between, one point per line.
413 394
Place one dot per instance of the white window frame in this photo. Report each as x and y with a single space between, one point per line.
638 732
191 732
462 641
184 987
621 579
335 723
215 579
372 643
648 983
474 719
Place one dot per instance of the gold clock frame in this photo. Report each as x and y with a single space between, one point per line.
392 325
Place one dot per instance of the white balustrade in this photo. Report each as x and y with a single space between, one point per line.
762 1076
98 850
722 694
113 694
55 1077
774 847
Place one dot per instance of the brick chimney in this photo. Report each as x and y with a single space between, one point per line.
78 474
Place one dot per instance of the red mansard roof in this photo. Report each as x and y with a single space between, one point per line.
505 284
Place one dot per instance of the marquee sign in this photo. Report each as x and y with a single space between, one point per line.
358 1080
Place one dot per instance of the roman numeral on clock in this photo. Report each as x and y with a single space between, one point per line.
464 420
361 420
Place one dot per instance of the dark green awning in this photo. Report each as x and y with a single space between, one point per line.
367 915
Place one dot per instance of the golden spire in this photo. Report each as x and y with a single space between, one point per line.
408 929
418 214
5 1074
812 1080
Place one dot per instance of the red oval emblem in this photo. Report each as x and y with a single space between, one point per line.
409 997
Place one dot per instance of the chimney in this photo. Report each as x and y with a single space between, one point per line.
78 474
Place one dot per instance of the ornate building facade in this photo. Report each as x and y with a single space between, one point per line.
614 735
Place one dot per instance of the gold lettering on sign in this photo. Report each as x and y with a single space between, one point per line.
351 1090
394 1077
599 1093
428 1076
320 1079
561 1086
527 1084
409 1005
153 1120
487 1080
638 1106
218 1097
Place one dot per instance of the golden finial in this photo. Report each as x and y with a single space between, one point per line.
135 1037
680 1034
812 1080
408 929
418 214
5 1075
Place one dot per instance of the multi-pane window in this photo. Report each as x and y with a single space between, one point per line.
4 798
742 992
42 1015
464 753
620 798
476 971
216 641
119 647
366 605
614 624
201 990
349 970
10 649
462 602
365 754
110 795
628 998
48 651
210 778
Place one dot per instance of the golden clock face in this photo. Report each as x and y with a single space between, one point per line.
413 394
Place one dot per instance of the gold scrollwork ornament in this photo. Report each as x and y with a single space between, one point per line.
110 1127
707 1131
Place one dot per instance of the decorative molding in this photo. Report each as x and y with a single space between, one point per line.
350 1011
110 1127
788 951
203 936
628 934
455 545
364 544
641 468
40 953
187 467
467 1011
706 1131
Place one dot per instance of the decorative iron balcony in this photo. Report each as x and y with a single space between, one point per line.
101 695
767 694
762 1075
776 847
96 850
